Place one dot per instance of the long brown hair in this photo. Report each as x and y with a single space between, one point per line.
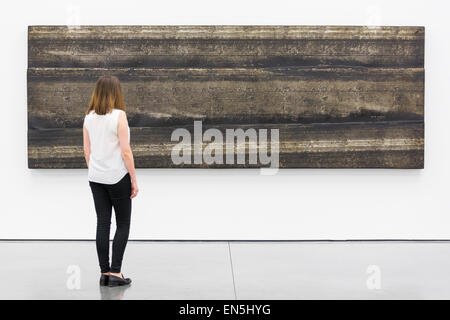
107 96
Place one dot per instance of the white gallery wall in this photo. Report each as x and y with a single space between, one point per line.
231 204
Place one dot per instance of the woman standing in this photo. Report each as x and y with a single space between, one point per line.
111 173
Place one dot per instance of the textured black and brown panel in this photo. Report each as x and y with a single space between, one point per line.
342 97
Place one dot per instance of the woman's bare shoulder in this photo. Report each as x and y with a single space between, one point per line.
122 114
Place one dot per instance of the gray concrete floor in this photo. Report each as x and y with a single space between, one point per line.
230 270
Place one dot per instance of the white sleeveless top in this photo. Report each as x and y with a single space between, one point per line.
106 164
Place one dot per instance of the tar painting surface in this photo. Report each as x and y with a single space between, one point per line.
341 97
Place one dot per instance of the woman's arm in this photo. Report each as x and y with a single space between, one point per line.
127 154
86 145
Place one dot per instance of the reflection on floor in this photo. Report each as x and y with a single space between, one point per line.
230 270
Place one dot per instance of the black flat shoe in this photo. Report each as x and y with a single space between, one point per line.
104 280
118 281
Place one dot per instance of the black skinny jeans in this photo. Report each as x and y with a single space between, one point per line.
107 196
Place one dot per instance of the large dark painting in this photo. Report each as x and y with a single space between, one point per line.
315 96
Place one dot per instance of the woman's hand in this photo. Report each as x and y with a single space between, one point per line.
134 189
